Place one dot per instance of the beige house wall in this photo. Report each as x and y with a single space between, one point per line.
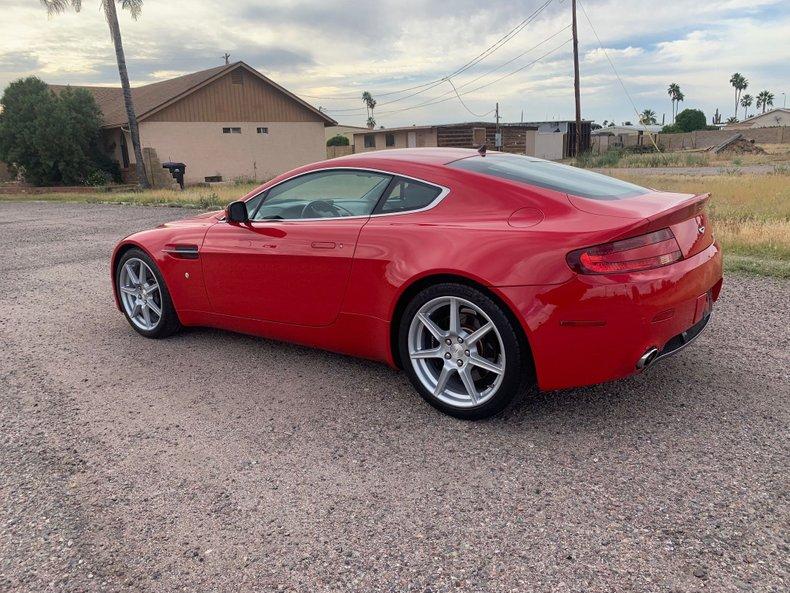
423 137
206 151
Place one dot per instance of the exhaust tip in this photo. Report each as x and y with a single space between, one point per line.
647 358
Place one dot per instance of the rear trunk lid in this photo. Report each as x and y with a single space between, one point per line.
684 214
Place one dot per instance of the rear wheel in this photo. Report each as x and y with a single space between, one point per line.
461 351
144 297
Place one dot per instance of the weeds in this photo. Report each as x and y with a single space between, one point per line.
616 158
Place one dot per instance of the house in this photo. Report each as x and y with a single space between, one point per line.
342 130
514 137
770 119
224 123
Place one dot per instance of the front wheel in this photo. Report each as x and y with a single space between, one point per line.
144 297
462 352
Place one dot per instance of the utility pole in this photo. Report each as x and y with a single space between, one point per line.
497 137
576 82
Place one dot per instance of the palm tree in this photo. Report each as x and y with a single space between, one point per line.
679 97
746 102
672 91
134 7
647 117
732 120
739 83
370 104
765 99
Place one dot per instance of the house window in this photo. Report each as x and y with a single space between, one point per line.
370 141
237 77
389 139
231 130
263 130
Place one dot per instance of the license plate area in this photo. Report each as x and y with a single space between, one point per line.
703 307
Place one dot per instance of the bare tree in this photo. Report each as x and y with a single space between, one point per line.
134 7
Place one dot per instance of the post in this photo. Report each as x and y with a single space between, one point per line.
576 81
497 126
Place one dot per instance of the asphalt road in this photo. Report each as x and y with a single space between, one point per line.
219 462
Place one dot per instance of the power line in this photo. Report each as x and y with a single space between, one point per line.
499 67
477 59
620 80
436 101
357 111
464 104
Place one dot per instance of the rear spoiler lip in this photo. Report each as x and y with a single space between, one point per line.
666 218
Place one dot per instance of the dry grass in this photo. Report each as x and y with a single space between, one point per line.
200 197
750 214
774 154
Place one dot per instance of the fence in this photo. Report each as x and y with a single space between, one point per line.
690 140
336 151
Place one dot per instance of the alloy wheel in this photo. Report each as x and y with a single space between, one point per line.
140 294
456 351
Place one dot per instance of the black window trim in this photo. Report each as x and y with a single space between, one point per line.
445 191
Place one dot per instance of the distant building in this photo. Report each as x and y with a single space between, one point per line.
770 119
518 138
342 130
224 123
628 130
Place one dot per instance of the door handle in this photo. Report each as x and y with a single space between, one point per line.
323 244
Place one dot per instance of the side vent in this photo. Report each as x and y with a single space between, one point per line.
237 76
182 251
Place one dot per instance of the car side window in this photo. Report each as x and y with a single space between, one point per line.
406 195
324 194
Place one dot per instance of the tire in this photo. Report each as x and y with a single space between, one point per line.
484 347
142 299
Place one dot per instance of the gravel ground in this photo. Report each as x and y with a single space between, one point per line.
130 464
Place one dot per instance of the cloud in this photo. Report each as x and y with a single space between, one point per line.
599 54
19 61
335 50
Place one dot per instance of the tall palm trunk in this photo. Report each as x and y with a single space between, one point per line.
737 92
134 131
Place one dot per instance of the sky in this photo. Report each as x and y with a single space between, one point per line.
330 51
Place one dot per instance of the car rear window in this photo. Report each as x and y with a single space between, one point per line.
563 178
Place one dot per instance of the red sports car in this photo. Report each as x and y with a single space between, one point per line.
477 274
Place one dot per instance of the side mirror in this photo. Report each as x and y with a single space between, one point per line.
237 212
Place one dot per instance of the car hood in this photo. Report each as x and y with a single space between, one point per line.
200 219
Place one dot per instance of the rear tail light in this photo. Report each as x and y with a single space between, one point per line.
629 255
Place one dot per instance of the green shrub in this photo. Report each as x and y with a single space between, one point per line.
337 140
97 178
690 120
54 138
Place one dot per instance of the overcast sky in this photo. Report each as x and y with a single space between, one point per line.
330 51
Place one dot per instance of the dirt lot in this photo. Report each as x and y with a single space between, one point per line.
219 462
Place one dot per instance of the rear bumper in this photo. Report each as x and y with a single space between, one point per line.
594 329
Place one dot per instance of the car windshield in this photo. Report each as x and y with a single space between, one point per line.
563 178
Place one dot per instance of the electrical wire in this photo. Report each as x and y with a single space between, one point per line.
620 80
474 61
492 70
436 101
464 104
